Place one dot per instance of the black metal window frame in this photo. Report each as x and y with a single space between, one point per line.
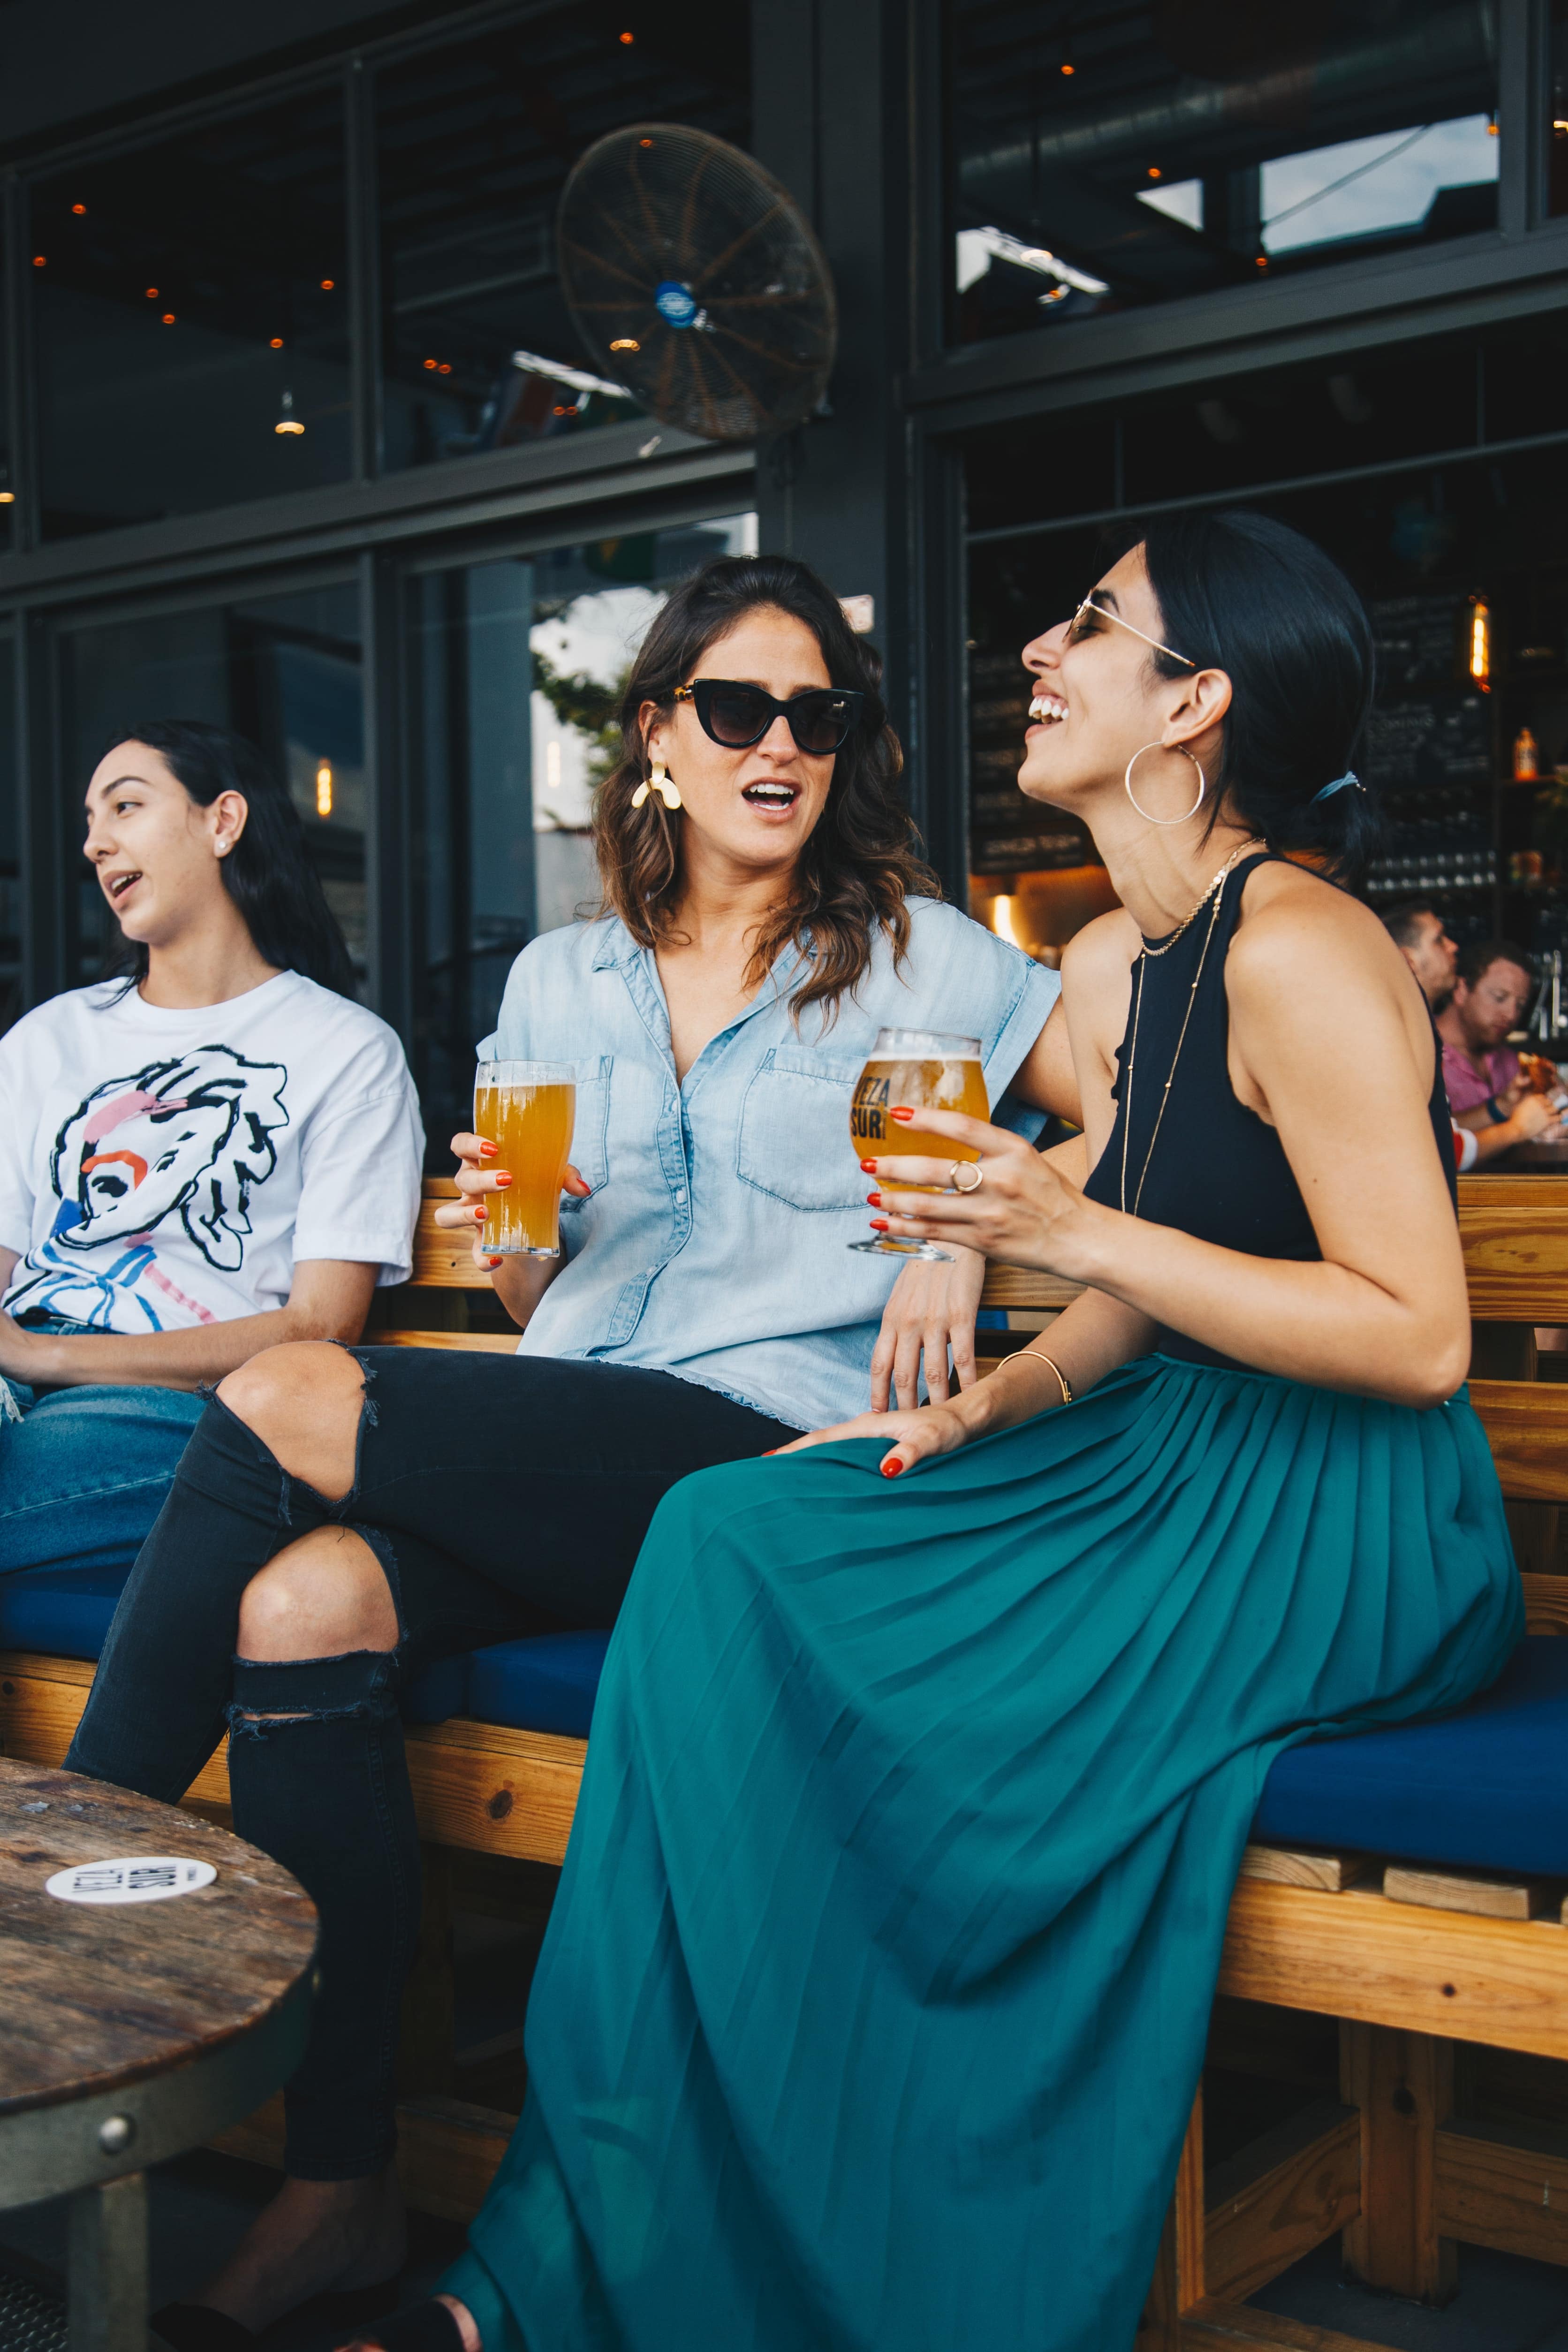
373 525
947 393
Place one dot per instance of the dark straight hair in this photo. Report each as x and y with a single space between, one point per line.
1241 592
267 873
861 864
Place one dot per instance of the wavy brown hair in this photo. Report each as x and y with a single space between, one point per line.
860 864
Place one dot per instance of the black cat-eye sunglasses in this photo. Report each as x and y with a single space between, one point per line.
822 720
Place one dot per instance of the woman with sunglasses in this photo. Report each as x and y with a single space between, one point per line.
876 1993
340 1520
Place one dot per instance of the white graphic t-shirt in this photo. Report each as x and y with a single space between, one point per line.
163 1169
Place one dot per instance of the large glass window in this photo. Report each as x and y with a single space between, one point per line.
10 843
516 672
282 670
1468 745
7 468
192 311
475 142
1111 157
1557 122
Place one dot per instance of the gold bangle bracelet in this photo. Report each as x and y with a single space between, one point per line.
1041 1357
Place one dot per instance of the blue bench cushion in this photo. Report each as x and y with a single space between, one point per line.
1487 1787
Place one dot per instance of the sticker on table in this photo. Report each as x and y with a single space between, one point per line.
132 1878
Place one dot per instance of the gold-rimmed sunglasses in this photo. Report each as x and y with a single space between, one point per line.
1089 606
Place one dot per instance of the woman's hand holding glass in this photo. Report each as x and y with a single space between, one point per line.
1022 1211
478 1176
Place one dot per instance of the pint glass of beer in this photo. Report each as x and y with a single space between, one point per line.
928 1071
525 1109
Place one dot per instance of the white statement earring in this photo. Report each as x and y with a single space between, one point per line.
657 781
1202 784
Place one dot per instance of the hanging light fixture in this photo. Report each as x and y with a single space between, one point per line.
288 422
324 789
1479 660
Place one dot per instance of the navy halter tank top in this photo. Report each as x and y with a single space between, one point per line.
1215 1169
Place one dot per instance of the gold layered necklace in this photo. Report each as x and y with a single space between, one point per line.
1216 891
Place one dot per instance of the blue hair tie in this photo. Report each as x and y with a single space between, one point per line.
1338 785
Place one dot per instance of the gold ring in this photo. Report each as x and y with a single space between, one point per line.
970 1167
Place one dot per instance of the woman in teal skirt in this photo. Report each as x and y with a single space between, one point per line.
875 1997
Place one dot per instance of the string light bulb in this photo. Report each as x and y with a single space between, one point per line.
7 497
324 789
288 422
1478 662
80 210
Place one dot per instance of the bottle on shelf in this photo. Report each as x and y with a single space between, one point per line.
1526 758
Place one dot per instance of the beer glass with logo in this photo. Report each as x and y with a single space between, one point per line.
525 1109
929 1071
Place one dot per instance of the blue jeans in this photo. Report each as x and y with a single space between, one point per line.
84 1473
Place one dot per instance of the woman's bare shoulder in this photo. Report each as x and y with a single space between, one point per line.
1292 920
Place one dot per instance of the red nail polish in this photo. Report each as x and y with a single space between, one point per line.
495 1262
502 1179
878 1224
891 1468
903 1115
767 1453
488 1151
874 1200
480 1214
868 1167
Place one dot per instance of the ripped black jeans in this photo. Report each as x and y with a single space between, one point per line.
502 1496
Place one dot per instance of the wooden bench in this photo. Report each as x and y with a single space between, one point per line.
1398 1994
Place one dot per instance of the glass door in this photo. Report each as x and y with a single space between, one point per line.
513 672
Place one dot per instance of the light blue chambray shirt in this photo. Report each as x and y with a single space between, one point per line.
713 1243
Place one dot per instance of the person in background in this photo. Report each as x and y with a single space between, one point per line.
217 1151
1416 930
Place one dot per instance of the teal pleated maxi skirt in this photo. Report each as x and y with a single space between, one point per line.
875 1997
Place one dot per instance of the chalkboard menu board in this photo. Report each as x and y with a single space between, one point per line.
1418 640
1428 743
1009 833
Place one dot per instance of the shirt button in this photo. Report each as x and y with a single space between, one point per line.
681 1195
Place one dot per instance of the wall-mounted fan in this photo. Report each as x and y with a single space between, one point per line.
694 278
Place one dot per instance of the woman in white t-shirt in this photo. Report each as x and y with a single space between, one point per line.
216 1153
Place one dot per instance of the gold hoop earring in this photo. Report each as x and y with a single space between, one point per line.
1202 784
658 781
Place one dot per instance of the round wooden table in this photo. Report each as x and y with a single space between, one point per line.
129 2033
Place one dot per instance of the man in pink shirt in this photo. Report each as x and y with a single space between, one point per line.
1480 1069
1416 930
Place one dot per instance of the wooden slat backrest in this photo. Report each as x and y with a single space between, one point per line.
444 1261
1526 1422
1514 1230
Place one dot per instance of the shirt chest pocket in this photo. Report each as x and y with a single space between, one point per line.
793 1140
590 1153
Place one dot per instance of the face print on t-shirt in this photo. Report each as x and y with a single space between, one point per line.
190 1136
